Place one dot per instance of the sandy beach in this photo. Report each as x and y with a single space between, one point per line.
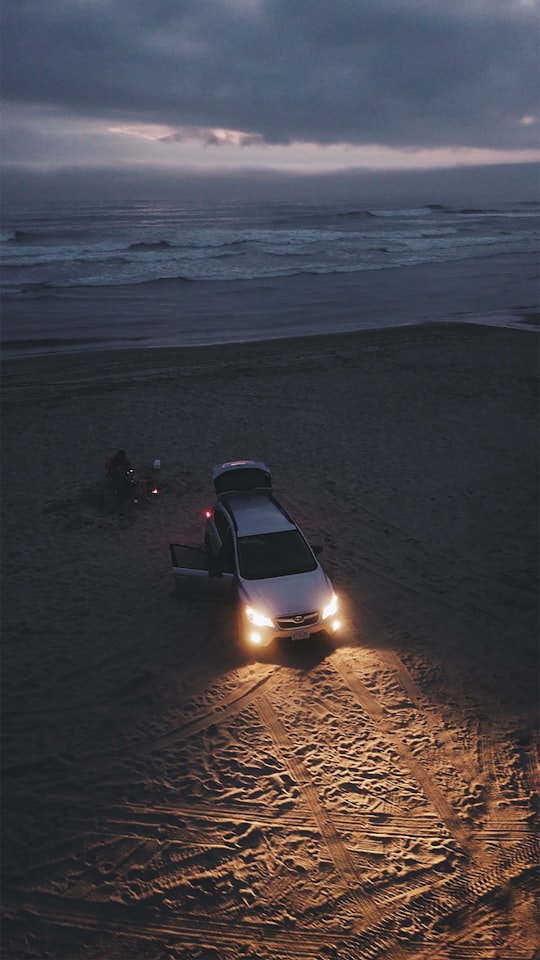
168 795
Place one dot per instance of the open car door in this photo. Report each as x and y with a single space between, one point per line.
190 569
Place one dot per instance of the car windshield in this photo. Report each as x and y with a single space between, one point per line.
274 555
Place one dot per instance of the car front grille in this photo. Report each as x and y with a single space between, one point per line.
298 621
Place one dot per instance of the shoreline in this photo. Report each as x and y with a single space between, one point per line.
291 349
176 313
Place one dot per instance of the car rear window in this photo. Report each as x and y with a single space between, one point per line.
246 478
274 555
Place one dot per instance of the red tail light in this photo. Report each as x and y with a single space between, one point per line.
208 514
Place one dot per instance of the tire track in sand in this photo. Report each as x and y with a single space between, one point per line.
196 933
339 853
376 713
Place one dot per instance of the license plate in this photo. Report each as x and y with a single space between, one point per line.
300 635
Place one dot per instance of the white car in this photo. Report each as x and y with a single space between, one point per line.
253 545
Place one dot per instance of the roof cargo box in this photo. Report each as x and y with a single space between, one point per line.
241 475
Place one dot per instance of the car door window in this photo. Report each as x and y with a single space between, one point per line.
227 554
222 525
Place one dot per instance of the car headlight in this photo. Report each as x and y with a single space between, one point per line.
258 619
330 608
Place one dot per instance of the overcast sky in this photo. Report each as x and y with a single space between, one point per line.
168 87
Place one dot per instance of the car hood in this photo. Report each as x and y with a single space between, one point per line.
288 596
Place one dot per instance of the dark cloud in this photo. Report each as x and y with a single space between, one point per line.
399 72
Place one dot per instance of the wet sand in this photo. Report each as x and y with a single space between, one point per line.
183 313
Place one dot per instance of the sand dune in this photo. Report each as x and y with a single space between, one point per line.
167 794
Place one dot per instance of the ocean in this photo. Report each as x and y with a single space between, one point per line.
98 276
